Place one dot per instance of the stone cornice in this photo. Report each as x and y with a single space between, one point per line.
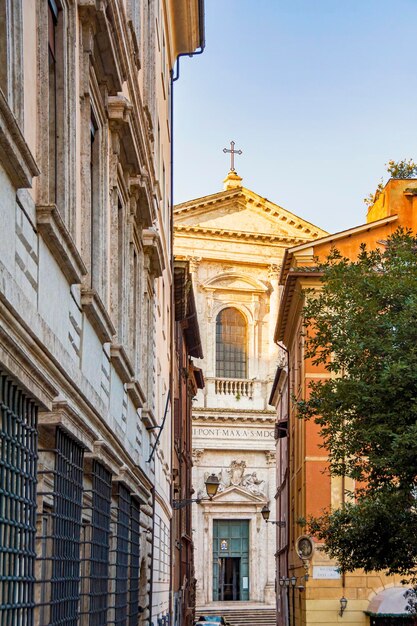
236 235
250 199
60 243
72 421
227 419
14 356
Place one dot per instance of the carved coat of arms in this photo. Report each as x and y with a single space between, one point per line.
236 471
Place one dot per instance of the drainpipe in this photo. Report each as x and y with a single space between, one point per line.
200 50
152 557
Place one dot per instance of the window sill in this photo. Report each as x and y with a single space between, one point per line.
121 363
153 249
97 315
136 394
60 243
15 154
148 418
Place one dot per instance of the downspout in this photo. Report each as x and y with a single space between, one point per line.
200 50
150 622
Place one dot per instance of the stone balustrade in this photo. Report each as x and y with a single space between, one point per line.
240 387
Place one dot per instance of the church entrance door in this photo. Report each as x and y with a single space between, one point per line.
229 578
230 560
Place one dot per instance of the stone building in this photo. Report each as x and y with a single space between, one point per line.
85 307
304 486
187 380
234 241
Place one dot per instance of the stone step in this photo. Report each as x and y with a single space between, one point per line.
252 616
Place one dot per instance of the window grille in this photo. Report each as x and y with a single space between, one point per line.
100 545
134 563
126 560
61 531
231 344
18 460
122 556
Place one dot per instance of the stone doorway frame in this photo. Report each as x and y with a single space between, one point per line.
237 504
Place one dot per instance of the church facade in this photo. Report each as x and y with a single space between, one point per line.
234 241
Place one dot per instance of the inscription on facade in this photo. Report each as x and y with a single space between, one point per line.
233 433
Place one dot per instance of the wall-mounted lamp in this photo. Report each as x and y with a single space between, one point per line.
212 484
343 604
265 512
287 582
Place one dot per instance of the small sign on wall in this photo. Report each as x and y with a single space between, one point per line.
245 582
326 572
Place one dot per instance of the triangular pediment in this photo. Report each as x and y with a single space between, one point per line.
242 213
235 495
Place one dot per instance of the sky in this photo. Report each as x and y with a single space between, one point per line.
319 95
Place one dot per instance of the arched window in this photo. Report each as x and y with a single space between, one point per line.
231 344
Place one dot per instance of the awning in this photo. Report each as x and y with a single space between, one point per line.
390 602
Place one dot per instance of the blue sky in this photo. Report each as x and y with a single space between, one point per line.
319 95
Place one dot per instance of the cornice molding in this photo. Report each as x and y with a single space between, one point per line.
249 199
236 235
68 418
223 419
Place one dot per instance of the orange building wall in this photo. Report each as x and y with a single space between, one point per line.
311 488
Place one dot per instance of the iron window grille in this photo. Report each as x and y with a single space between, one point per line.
122 556
126 541
97 547
134 563
61 536
18 464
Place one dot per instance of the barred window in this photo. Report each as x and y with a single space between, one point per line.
134 563
231 344
100 544
122 556
126 605
61 536
18 456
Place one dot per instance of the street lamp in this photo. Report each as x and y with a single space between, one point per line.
343 604
212 484
265 512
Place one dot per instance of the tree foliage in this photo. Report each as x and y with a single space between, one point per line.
362 326
402 169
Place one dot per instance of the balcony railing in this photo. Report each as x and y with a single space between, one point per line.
239 387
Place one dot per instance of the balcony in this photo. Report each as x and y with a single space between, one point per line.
238 387
234 394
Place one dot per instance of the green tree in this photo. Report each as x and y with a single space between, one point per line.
362 325
402 169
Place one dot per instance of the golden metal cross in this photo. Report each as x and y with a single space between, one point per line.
232 155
